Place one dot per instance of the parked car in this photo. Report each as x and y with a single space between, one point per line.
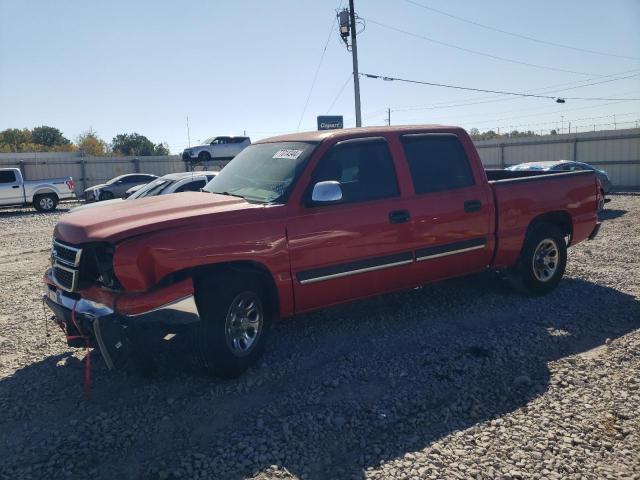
567 166
216 148
44 195
133 190
304 221
171 183
116 187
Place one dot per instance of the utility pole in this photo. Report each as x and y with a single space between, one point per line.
389 117
347 19
188 133
354 54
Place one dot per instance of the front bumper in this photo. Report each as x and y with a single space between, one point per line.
113 333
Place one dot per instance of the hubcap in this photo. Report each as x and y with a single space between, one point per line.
545 260
46 203
244 323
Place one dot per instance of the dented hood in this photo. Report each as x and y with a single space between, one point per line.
115 222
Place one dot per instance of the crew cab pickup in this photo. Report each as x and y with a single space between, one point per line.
303 221
44 195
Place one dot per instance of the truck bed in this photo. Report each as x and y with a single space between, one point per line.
521 196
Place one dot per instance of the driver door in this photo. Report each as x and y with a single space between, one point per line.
359 246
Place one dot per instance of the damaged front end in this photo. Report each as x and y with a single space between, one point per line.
90 306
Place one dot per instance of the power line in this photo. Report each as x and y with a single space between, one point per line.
315 75
476 52
495 98
344 85
518 35
501 92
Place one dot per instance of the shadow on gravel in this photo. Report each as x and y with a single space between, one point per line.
610 214
339 391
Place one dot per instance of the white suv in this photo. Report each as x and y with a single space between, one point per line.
216 148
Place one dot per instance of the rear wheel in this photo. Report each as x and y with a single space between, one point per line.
46 202
542 261
235 317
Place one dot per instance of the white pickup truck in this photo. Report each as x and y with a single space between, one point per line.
44 195
216 148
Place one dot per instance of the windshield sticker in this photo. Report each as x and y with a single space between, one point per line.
287 153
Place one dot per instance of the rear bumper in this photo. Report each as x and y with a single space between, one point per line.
113 333
595 231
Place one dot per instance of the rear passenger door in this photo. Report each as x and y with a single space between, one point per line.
360 246
451 209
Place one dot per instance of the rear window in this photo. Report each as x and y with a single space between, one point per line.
437 162
7 176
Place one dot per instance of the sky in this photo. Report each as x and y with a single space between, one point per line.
232 67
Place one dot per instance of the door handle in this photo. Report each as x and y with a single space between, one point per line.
15 186
471 206
399 216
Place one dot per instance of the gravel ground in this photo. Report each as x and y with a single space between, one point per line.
463 379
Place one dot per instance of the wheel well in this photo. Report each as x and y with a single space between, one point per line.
240 268
560 219
40 193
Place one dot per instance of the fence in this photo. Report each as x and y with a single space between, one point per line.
616 151
88 171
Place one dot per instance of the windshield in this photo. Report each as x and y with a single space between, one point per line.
263 172
153 188
208 140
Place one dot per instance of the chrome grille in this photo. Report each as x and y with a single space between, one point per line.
65 278
66 254
65 261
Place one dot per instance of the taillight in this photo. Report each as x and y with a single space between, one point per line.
70 184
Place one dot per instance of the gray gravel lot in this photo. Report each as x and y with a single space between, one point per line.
458 380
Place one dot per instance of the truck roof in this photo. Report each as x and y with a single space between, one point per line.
320 135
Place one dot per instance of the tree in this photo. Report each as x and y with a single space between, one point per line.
132 144
161 149
49 137
90 144
12 139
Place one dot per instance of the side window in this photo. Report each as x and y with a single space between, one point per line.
437 162
364 169
193 186
7 176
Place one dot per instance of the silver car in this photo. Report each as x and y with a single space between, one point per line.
567 166
171 183
116 187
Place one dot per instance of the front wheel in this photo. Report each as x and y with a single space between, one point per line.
45 203
204 156
542 261
106 195
235 317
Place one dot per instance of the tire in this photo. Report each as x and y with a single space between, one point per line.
601 202
229 305
106 195
46 202
204 156
542 261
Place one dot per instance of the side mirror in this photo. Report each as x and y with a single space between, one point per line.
326 192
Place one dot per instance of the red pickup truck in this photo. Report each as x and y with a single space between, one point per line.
303 221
